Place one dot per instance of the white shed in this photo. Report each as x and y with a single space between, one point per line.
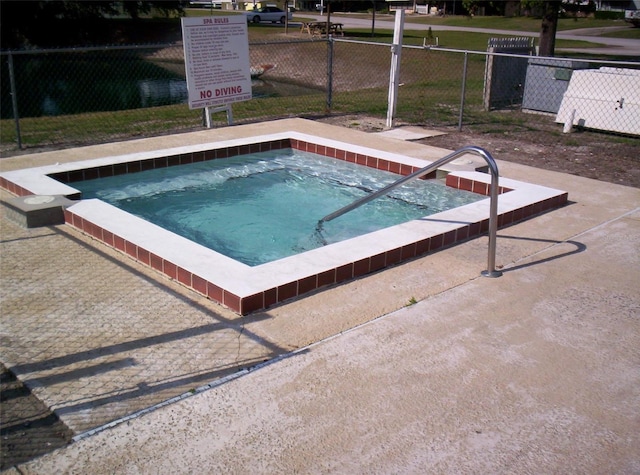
604 99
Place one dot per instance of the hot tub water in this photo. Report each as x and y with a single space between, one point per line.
265 206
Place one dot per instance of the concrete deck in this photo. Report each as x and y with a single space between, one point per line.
534 372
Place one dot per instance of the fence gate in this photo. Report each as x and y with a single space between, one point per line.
504 76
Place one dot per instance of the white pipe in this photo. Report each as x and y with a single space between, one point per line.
568 124
394 73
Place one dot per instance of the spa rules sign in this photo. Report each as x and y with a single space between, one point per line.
216 55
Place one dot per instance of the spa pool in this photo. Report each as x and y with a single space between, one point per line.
247 288
265 206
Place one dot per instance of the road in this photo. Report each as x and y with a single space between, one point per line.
610 46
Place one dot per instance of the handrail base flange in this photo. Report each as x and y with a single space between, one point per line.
491 273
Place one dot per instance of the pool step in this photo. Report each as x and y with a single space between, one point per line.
34 211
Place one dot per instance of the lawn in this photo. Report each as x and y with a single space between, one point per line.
513 23
530 24
438 74
452 39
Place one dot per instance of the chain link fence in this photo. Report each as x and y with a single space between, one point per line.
68 97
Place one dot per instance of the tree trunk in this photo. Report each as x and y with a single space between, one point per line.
549 27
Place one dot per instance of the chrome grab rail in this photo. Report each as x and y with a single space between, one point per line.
493 195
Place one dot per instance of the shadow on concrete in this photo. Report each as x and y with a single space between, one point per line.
28 429
28 433
578 247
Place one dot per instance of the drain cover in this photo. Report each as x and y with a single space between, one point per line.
39 199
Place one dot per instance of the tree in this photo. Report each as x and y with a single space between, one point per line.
550 13
550 10
549 27
69 22
489 7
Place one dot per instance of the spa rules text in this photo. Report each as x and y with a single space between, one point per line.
216 55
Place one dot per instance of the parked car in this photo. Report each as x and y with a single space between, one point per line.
272 14
206 4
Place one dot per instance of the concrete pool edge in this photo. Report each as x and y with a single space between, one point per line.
40 180
244 289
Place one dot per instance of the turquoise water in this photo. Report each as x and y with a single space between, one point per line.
261 207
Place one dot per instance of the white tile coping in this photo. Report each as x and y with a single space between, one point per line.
37 182
243 280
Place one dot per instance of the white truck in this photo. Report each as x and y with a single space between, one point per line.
633 17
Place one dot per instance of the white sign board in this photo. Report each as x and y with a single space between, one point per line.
216 55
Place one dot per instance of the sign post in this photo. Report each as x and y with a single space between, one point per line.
396 52
216 55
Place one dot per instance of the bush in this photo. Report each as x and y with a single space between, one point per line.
608 15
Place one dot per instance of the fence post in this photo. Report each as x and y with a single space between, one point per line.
329 75
14 100
464 89
394 73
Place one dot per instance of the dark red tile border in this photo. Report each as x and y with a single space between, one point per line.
377 262
394 256
14 189
262 300
473 186
307 284
107 237
134 167
199 284
232 301
449 238
214 292
436 242
408 252
362 267
184 276
327 278
267 298
144 256
344 272
186 158
462 233
252 303
155 262
131 249
287 291
423 246
118 243
170 269
270 298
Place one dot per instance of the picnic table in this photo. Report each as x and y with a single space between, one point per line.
320 28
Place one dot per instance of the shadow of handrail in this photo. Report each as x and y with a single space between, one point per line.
579 247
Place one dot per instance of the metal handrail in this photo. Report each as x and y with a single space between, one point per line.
493 196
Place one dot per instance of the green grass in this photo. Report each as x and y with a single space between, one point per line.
106 126
434 99
514 23
531 24
99 126
453 39
448 39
